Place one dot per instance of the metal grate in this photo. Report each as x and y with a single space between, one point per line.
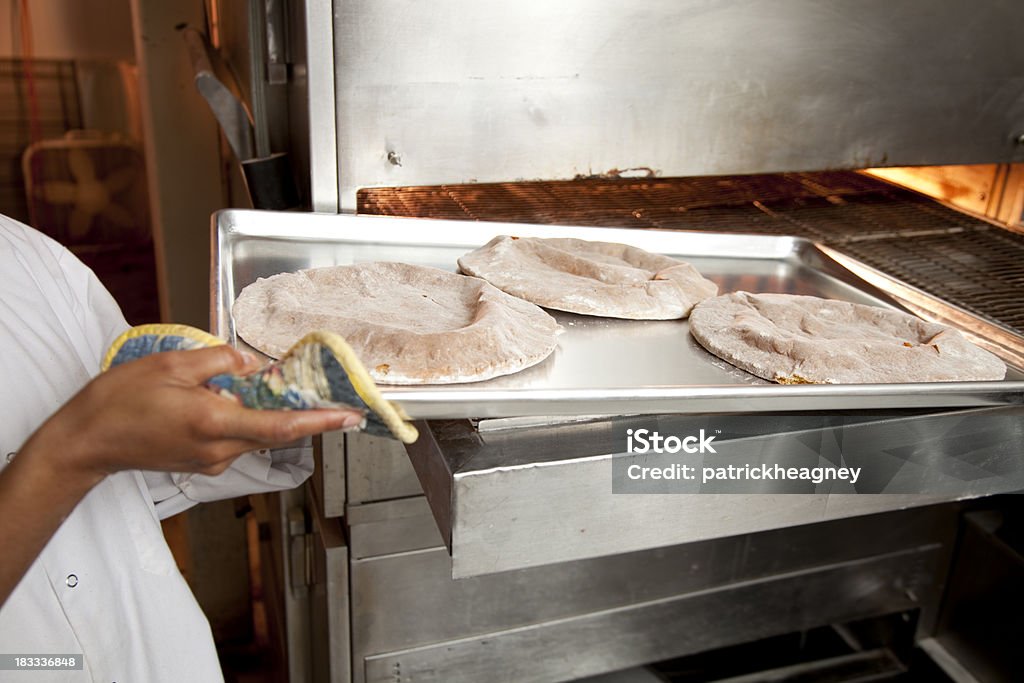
869 216
965 261
981 271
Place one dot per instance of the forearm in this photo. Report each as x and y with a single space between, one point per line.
35 498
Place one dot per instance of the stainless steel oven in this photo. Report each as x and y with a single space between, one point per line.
723 118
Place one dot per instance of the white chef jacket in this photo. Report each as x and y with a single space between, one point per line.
106 585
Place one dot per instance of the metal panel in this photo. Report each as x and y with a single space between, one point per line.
635 675
288 605
646 631
458 91
537 495
316 78
328 478
947 663
393 526
402 601
378 469
981 613
299 132
329 601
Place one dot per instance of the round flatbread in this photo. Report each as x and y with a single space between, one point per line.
794 339
593 278
408 324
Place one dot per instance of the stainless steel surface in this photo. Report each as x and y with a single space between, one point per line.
626 636
665 369
317 83
861 666
403 93
330 643
378 469
297 135
392 526
635 675
276 41
470 92
406 609
300 548
521 498
259 28
328 480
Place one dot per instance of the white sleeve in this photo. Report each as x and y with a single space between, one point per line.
87 319
98 321
253 472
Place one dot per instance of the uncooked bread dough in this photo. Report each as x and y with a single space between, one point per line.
408 324
594 278
795 339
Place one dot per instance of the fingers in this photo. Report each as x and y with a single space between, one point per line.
156 413
250 363
277 427
227 435
252 430
199 365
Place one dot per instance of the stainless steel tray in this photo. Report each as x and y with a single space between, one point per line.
605 366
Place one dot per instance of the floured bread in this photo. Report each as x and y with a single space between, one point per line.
408 324
807 340
593 278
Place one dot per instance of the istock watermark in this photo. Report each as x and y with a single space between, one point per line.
959 454
762 472
645 440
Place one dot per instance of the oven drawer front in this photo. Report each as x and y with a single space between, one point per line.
525 497
412 621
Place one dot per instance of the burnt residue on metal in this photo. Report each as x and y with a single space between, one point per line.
635 172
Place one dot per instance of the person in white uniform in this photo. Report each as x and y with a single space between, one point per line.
90 466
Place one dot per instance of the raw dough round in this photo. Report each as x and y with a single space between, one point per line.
408 324
593 278
794 339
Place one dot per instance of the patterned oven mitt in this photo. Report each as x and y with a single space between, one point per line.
318 371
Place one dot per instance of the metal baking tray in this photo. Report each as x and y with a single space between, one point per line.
604 366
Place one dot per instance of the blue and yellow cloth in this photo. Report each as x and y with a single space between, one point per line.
319 371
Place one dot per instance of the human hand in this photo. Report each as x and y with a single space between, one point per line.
156 414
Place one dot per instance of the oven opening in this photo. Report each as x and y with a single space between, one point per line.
962 256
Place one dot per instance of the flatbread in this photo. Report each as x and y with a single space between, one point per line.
408 324
593 278
794 339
